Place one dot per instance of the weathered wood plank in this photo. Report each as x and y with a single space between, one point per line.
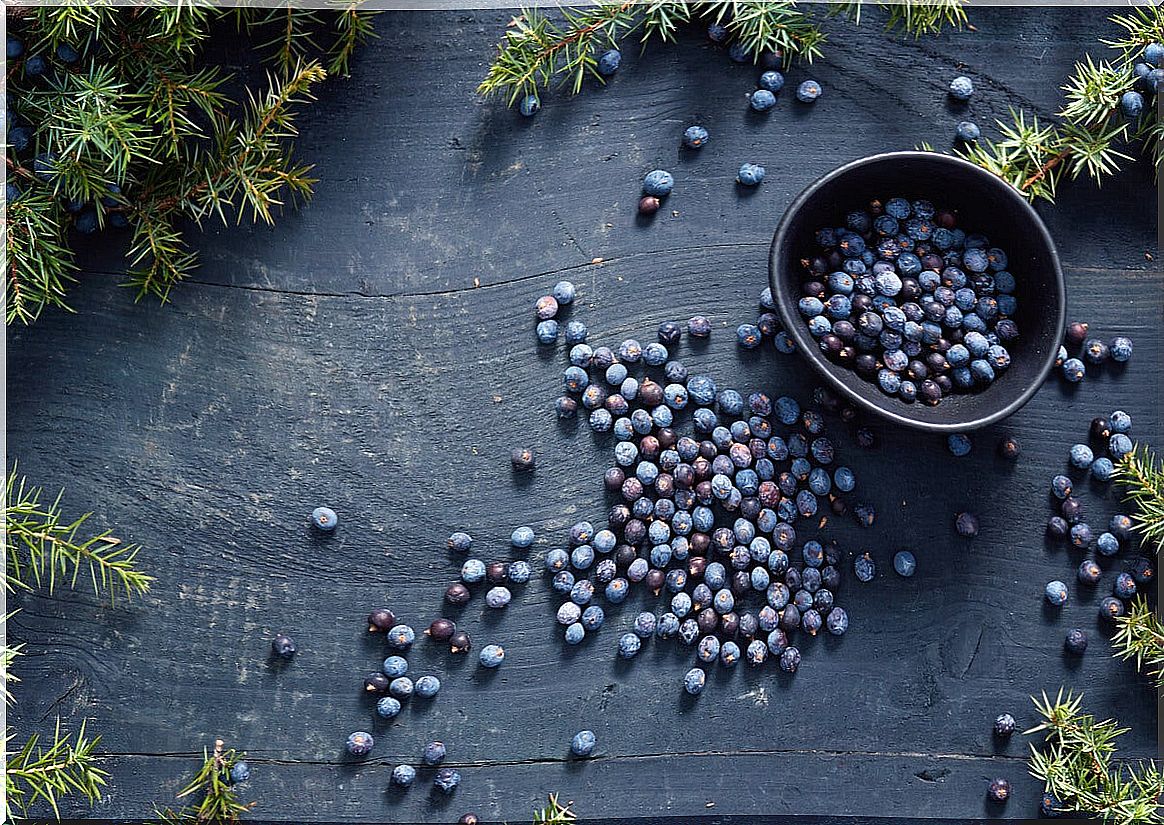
393 390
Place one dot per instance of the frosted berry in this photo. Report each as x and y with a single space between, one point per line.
324 518
283 646
359 743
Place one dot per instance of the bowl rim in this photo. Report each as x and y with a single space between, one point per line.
807 346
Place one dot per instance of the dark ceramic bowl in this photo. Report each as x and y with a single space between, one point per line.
985 204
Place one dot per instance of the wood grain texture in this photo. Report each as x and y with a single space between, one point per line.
346 357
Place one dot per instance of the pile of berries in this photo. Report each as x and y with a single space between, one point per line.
1110 435
904 297
706 521
1091 349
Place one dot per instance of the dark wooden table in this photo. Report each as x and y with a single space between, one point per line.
375 352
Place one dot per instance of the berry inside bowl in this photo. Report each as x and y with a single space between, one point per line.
982 203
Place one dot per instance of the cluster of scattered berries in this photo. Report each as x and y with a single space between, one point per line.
706 520
1090 349
904 297
1111 435
88 215
1149 74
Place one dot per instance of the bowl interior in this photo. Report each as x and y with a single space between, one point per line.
984 204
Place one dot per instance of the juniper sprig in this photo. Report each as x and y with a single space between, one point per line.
1141 474
540 49
1091 137
1076 763
42 547
68 766
1140 638
210 795
124 125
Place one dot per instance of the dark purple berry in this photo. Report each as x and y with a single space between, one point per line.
457 594
1004 725
441 630
1009 448
377 683
523 459
380 620
1076 641
999 790
1077 332
459 642
648 205
283 646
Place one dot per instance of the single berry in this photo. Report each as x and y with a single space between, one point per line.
1077 332
324 518
750 174
904 563
966 524
433 753
359 743
469 819
1132 104
864 567
959 444
1056 593
694 681
762 100
583 743
1010 448
699 326
658 183
403 776
427 687
1081 456
1004 725
492 655
961 88
1124 587
457 594
1121 348
609 62
523 459
283 646
380 620
377 683
441 630
239 772
459 642
694 137
1073 370
530 105
447 780
808 91
648 205
999 790
967 131
1076 641
1111 608
388 707
1088 572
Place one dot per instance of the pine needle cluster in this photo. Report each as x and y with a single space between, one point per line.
116 121
66 767
1076 763
1141 475
1139 637
1092 137
538 50
44 548
210 796
555 813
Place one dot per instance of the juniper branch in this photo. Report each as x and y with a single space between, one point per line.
1091 136
210 794
1075 764
66 767
42 547
1140 638
1141 475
